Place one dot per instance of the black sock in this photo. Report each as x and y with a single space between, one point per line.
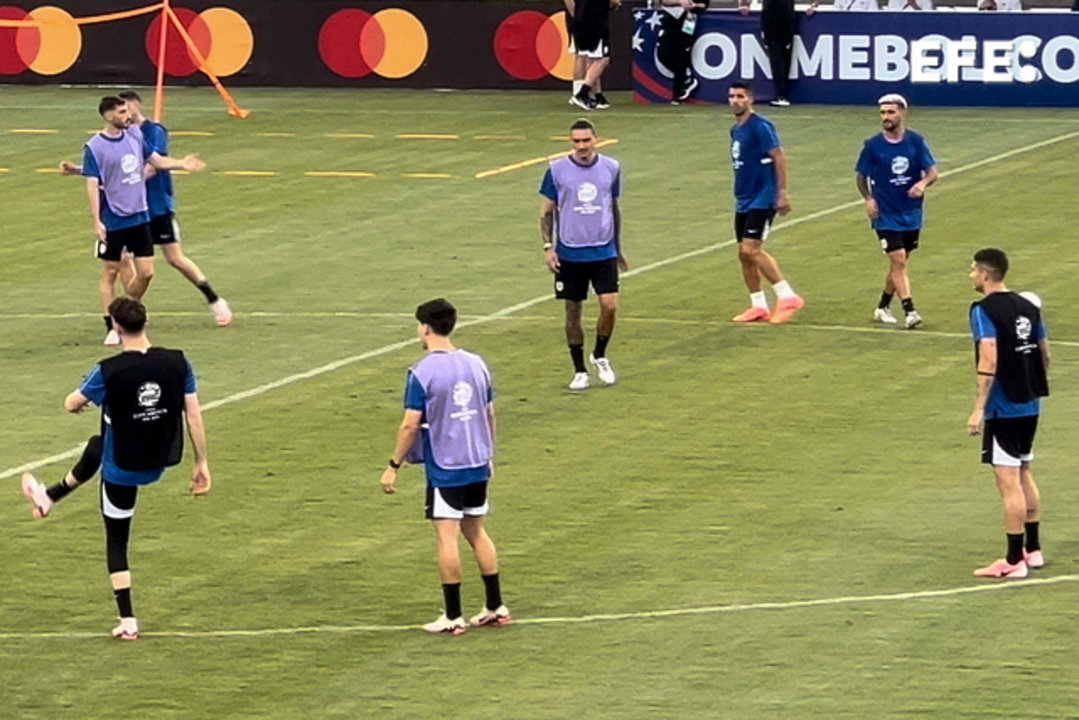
584 91
60 490
908 305
123 602
1032 542
885 300
493 591
601 345
452 593
108 323
577 353
204 287
84 469
1015 548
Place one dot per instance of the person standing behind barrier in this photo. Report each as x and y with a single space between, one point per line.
778 23
592 38
676 43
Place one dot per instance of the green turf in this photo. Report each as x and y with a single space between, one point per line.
731 466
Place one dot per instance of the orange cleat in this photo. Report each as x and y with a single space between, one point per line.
753 314
786 308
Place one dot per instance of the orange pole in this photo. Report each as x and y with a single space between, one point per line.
234 109
159 93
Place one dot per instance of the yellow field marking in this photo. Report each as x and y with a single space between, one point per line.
277 134
535 161
426 136
499 137
47 171
191 133
33 131
5 170
338 173
426 175
250 173
365 136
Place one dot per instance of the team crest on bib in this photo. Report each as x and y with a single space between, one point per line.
587 192
129 163
462 395
1023 328
900 164
149 394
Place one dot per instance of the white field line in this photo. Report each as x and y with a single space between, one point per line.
511 309
581 619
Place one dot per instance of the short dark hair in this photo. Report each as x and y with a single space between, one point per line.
129 314
994 261
742 85
130 95
109 102
439 315
583 124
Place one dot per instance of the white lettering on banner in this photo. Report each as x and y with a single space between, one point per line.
817 63
853 51
932 58
890 58
728 56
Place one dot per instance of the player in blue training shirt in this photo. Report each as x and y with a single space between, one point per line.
893 171
760 191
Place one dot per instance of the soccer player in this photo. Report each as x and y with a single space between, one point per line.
760 191
164 228
892 173
1011 351
112 163
581 190
145 393
449 425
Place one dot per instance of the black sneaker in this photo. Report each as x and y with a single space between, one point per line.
600 102
583 101
691 87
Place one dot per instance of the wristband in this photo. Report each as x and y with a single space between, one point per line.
987 374
395 465
547 246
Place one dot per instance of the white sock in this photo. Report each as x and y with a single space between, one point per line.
783 290
758 300
577 86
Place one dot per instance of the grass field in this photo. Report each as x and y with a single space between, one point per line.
756 522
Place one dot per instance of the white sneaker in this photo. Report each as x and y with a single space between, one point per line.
443 625
913 319
221 311
885 316
128 629
579 381
501 616
35 491
111 338
603 369
780 102
691 87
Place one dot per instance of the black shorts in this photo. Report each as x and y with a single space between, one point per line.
1009 441
592 38
136 239
164 229
892 240
753 224
571 281
455 503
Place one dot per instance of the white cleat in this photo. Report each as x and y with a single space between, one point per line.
35 492
603 369
913 319
128 629
884 315
112 339
492 618
444 626
579 381
222 312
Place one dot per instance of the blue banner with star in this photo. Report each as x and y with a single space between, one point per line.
933 58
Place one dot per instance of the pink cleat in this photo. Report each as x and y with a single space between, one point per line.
786 308
1002 569
492 618
128 629
753 314
1034 560
35 491
222 312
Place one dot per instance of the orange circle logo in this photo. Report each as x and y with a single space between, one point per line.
392 43
221 36
47 49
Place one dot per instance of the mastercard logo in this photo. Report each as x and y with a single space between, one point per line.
530 45
221 35
392 43
47 50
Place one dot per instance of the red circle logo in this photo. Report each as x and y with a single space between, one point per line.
530 45
47 49
222 36
391 43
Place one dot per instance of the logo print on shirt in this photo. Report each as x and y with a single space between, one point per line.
900 164
736 154
149 394
586 195
129 164
1023 328
462 398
